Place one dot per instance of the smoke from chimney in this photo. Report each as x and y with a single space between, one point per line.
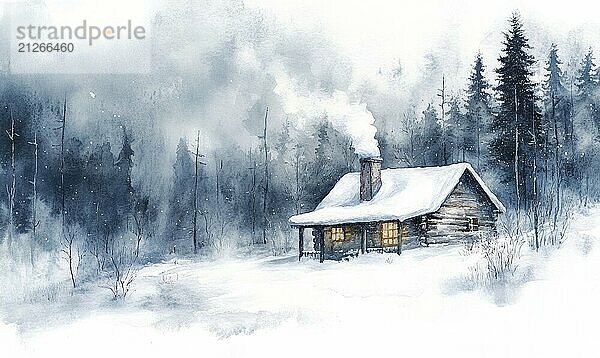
352 119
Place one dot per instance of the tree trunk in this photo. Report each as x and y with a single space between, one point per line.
266 184
11 190
194 234
62 169
535 206
34 222
253 197
557 178
517 186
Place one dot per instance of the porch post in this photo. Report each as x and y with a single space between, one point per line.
399 250
363 239
300 242
322 246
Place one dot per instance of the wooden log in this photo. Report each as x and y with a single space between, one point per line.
459 215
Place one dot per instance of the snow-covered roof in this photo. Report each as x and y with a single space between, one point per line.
405 193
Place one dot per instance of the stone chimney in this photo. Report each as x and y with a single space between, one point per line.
370 177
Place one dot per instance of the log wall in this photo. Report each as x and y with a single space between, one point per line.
451 221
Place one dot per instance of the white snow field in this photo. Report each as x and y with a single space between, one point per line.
419 304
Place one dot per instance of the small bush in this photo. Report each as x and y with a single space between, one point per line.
494 258
501 255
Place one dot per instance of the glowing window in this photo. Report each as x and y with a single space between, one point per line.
389 233
337 234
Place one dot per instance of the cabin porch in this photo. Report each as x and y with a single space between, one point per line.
346 240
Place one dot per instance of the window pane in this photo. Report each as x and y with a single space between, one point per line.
389 233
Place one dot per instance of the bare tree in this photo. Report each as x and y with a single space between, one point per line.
122 270
195 220
219 218
11 189
62 126
34 220
208 225
95 249
266 182
442 95
536 204
557 174
141 221
253 195
409 127
67 240
299 168
72 254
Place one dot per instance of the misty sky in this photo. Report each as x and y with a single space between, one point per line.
374 34
217 61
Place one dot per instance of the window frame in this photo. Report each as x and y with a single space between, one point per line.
389 233
472 224
337 234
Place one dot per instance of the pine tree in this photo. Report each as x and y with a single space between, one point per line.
558 105
586 113
478 113
518 118
587 86
556 110
454 132
432 152
123 188
554 77
323 165
101 174
181 198
125 162
586 78
331 154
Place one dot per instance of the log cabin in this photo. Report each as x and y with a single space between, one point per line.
384 210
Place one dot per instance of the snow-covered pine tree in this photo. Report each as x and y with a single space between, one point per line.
586 77
587 88
179 220
518 115
586 115
558 109
123 187
102 219
557 121
454 132
332 153
478 115
432 151
554 77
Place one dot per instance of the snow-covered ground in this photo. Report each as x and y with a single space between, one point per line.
417 304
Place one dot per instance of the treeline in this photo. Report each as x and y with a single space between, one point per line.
539 138
89 203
